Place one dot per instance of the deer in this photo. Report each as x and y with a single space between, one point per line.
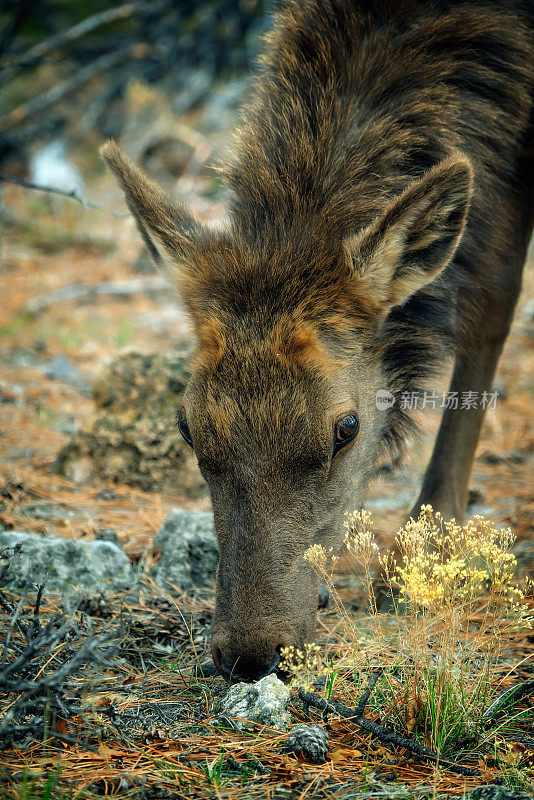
380 207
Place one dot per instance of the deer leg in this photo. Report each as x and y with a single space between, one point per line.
446 481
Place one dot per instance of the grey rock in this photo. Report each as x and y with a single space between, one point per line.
265 702
50 165
310 741
479 510
382 502
22 357
49 511
189 550
499 387
528 310
494 792
107 535
133 437
64 565
60 368
323 600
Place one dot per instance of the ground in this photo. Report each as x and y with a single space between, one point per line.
48 244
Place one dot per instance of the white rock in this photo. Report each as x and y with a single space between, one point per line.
265 702
50 166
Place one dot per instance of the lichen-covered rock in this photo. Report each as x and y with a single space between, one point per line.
62 564
133 437
494 792
265 702
310 741
189 550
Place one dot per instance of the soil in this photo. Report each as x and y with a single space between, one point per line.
39 412
49 246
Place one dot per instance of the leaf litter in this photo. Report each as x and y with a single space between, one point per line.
139 722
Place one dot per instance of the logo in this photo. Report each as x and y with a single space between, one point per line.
384 399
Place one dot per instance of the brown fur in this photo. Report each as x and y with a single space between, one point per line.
381 207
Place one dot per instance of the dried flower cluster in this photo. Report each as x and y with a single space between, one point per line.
455 602
320 558
301 667
450 566
359 538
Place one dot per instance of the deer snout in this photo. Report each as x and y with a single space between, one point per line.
245 664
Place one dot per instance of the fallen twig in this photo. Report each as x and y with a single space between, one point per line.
38 105
37 667
88 25
14 614
77 290
20 12
72 194
383 734
504 702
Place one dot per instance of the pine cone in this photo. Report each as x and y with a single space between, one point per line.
311 741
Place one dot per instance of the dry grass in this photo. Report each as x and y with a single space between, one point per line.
150 727
455 608
145 727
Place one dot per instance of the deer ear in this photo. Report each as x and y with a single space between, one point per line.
166 227
416 236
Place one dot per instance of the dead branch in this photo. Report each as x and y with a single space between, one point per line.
72 194
43 102
80 290
14 614
384 735
21 11
505 701
86 26
37 666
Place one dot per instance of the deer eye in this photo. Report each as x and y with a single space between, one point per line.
183 427
346 430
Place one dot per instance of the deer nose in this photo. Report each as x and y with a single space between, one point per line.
237 669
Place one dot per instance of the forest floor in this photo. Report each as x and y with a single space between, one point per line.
51 243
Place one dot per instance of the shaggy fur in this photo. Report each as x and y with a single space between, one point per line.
381 205
355 99
351 102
